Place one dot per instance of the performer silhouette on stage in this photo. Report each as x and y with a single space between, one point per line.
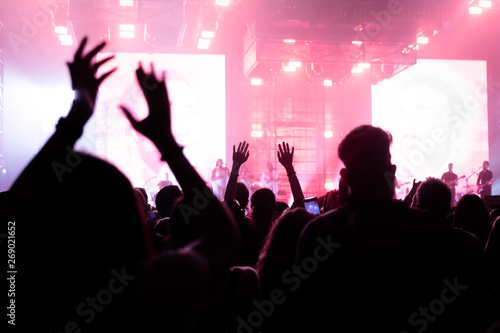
451 179
484 180
270 178
220 176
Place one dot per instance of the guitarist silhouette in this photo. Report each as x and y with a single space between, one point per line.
451 179
484 181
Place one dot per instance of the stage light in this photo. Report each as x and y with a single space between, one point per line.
127 31
66 40
203 43
475 10
290 68
364 65
357 42
223 3
328 186
256 134
357 70
126 3
61 30
485 4
328 134
422 40
288 41
256 82
294 64
327 83
207 34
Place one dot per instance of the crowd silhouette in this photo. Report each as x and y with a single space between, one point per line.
199 261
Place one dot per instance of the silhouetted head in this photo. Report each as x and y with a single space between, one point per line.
219 163
367 159
242 194
85 227
486 165
270 166
471 215
433 195
263 204
450 167
166 199
278 251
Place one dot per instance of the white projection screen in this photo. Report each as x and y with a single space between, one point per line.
196 85
436 112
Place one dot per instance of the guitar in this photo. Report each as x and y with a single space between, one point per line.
454 182
480 187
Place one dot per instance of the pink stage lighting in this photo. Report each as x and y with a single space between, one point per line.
422 40
485 4
327 83
256 82
127 31
475 10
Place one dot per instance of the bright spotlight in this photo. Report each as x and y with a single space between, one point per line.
422 40
66 40
126 3
475 10
207 34
327 83
203 43
288 41
222 3
328 134
256 82
61 30
485 4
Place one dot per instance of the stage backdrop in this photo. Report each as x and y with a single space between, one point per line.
436 112
196 86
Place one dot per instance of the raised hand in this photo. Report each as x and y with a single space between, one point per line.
285 156
157 125
240 156
85 82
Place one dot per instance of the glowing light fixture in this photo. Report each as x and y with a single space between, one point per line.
126 3
127 31
357 70
256 82
61 30
328 134
422 40
203 43
66 40
357 42
328 186
223 3
289 41
475 10
207 34
364 65
327 83
485 4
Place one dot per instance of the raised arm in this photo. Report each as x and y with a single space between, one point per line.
57 158
220 238
240 156
285 157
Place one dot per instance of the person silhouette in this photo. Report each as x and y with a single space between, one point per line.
219 177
